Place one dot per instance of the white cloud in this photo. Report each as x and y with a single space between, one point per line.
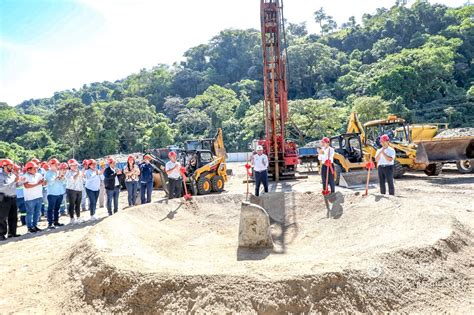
140 34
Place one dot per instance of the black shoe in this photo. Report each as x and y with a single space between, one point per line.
14 235
57 224
32 230
37 229
3 238
51 227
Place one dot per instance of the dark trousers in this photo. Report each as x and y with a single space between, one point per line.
261 178
74 198
112 194
386 175
132 188
20 204
324 173
146 187
54 204
8 216
93 196
175 187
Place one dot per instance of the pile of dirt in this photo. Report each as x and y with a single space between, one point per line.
456 132
378 254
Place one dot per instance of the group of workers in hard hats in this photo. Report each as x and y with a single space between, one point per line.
25 188
385 158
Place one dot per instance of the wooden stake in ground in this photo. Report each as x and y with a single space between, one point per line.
247 167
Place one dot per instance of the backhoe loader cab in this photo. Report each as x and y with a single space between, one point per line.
396 128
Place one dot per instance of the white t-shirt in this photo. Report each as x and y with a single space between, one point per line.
176 173
35 192
260 162
383 161
328 153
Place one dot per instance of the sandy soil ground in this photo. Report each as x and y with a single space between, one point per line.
409 253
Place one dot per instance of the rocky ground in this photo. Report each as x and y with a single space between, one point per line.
410 253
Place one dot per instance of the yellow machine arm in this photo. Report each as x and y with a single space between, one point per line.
355 126
219 148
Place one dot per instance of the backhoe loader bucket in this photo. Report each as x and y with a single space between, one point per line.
445 150
357 179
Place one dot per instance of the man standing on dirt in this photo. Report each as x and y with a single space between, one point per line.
33 196
112 185
260 169
146 179
385 158
8 209
173 168
326 159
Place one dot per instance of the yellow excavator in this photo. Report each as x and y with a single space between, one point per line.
425 155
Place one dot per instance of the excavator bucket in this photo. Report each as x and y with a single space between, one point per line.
357 179
445 149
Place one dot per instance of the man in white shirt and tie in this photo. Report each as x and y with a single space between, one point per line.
385 158
326 153
260 169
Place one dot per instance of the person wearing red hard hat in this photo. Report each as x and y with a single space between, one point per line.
56 188
85 167
132 174
173 170
33 194
326 160
146 179
93 177
74 187
112 185
9 181
385 158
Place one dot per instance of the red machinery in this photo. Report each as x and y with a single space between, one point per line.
282 154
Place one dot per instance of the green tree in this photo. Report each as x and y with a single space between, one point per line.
370 107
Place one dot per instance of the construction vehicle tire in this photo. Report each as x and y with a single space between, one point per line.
337 173
217 183
398 170
204 186
465 166
434 169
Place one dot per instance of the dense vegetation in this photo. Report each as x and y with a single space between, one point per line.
415 62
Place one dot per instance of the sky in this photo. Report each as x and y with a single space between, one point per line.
54 45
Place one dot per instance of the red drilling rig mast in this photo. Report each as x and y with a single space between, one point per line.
282 153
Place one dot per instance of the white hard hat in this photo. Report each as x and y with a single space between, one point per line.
259 148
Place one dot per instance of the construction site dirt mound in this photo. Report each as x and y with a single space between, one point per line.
456 132
376 254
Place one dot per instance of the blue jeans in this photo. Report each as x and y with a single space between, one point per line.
93 195
132 188
148 187
261 178
112 194
20 203
33 210
54 204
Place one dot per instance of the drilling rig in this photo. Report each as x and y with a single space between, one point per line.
282 153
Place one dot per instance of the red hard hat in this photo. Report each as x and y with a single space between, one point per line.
326 140
31 165
63 166
92 162
36 161
53 161
110 160
6 162
131 157
86 162
44 164
384 138
147 156
72 162
172 154
16 167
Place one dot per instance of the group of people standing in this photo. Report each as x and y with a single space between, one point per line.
384 157
26 189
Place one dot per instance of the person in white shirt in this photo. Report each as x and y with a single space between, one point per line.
173 169
93 176
385 158
112 185
260 170
326 153
33 191
74 186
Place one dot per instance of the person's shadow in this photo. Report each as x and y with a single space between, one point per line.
334 205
